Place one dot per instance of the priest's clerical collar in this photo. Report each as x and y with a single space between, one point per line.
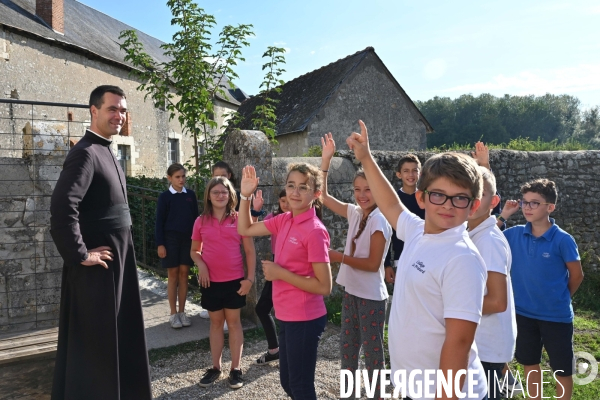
100 136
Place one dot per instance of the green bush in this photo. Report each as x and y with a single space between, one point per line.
521 144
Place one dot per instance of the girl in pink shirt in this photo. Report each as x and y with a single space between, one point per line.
215 250
265 302
301 274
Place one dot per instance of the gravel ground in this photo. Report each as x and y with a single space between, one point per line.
177 377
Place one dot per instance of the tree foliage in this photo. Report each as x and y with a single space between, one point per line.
187 84
264 117
496 120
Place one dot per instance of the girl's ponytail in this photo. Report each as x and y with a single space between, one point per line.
318 205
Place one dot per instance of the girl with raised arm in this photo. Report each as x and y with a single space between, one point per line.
301 274
361 271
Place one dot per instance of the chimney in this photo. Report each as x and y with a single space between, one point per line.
52 12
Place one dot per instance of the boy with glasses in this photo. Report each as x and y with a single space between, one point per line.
546 272
441 276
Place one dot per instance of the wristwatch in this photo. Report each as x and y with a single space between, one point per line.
245 198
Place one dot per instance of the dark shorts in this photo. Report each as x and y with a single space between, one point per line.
220 295
555 337
178 247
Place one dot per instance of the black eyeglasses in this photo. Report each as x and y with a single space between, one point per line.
531 204
440 198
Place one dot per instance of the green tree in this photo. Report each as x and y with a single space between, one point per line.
496 120
264 117
187 84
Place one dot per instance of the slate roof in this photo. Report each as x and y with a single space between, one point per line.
87 31
302 98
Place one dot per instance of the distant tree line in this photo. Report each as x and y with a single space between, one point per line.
498 120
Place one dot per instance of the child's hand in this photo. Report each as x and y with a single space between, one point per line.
162 251
328 145
359 143
335 256
510 207
245 286
481 155
249 181
271 270
390 275
203 276
258 201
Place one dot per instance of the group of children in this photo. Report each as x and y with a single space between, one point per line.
453 270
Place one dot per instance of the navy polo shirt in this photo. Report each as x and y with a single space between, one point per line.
540 277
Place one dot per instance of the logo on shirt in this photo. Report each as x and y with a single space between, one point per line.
419 266
293 240
546 255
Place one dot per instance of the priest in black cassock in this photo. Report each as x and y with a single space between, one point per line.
101 339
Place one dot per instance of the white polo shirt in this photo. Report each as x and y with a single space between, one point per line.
364 284
439 276
497 333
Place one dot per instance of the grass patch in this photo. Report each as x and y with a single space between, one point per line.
250 336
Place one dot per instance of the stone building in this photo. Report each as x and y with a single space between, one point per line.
59 50
332 99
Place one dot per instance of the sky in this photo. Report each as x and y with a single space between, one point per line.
433 48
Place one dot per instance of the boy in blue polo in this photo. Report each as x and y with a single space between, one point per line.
546 272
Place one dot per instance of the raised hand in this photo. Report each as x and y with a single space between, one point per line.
97 255
328 145
510 207
249 181
359 143
481 155
258 201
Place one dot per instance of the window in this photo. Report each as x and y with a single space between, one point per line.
123 155
173 156
3 46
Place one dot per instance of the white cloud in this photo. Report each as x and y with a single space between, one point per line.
435 69
582 78
312 52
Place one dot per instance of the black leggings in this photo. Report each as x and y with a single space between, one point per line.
263 310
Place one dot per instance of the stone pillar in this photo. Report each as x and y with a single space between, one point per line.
253 148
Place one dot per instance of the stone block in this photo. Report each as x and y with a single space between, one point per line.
48 280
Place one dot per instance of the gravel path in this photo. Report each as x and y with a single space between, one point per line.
177 377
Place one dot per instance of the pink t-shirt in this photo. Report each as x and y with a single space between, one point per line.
273 237
301 241
220 247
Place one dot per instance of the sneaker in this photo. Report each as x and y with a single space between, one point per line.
209 377
510 385
235 379
175 321
267 358
204 314
185 320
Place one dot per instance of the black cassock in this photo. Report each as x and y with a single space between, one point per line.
101 340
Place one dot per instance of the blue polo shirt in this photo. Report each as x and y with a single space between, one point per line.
539 273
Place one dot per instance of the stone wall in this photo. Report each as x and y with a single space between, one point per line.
30 266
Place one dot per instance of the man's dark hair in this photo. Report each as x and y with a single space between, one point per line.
544 187
96 97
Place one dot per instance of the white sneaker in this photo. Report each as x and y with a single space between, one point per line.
185 321
175 321
204 314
